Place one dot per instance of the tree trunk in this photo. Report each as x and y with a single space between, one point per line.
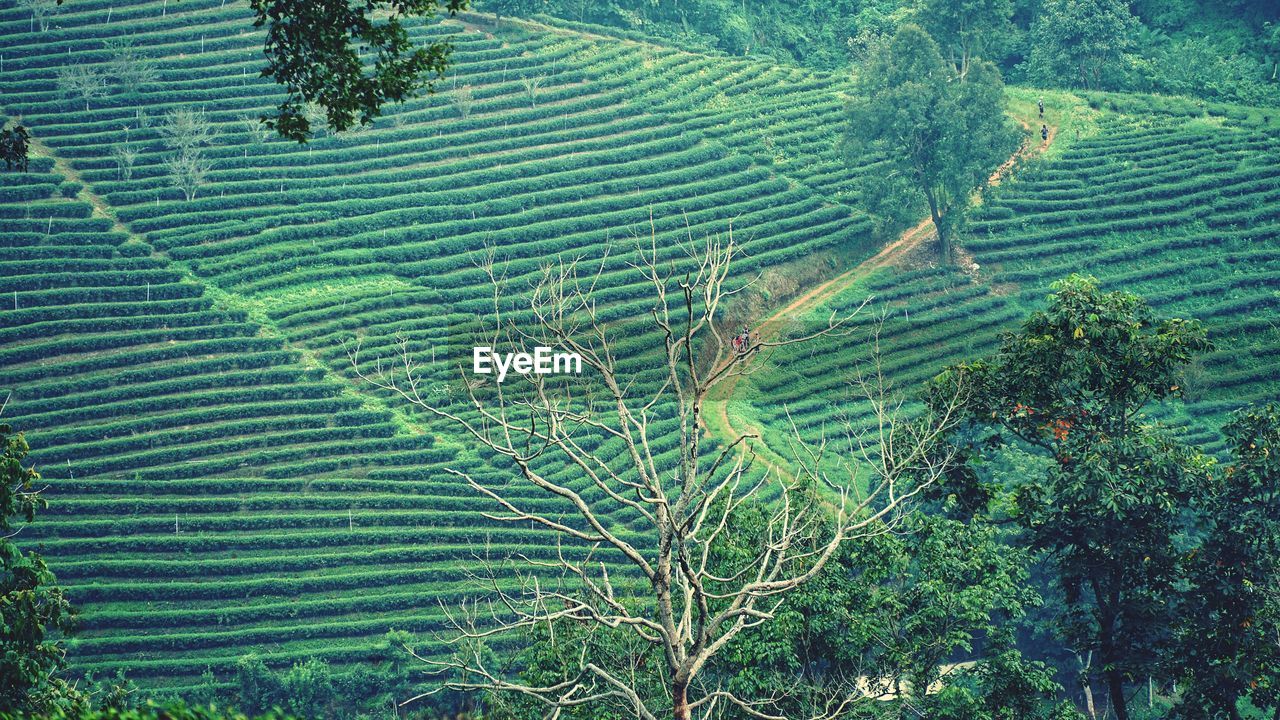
1115 692
1108 653
1086 685
944 242
680 701
1115 681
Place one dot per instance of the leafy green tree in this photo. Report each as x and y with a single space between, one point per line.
963 27
941 134
15 148
1074 41
259 687
1229 645
896 612
114 692
33 608
950 583
318 52
513 7
552 654
1004 685
311 688
1071 385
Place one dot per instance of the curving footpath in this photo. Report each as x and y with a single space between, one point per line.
717 420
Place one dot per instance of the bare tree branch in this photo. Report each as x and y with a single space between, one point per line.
684 601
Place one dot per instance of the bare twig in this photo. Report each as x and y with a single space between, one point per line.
682 505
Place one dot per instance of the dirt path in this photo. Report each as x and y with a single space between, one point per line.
65 169
717 420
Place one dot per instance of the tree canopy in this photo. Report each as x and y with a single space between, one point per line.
15 148
1074 41
941 132
1164 560
317 49
1229 644
963 27
33 608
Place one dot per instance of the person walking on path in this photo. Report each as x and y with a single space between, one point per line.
1040 103
1044 133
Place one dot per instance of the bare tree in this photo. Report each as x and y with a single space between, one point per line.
462 100
254 129
531 85
316 116
128 65
41 12
186 129
681 504
83 82
187 171
124 155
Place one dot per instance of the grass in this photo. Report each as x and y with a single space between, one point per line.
227 442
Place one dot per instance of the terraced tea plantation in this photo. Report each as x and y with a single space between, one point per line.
219 480
1170 202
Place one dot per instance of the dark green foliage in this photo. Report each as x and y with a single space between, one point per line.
1111 511
15 146
1076 42
812 32
1228 645
500 8
152 711
897 608
557 654
1221 50
893 608
33 610
317 51
964 28
313 689
1004 685
1205 48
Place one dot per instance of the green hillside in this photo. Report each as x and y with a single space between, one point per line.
1155 196
221 481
